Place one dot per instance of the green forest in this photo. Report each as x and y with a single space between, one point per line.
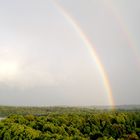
69 124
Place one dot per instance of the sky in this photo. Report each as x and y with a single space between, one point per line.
44 61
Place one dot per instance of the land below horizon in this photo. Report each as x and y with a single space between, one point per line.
44 110
70 123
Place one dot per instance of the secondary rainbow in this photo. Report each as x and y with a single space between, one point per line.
125 30
91 50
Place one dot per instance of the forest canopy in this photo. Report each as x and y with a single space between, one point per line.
72 124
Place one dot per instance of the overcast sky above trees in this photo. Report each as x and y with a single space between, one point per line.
44 61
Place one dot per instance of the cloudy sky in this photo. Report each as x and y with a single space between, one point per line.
44 60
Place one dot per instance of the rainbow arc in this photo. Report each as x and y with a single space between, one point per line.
91 48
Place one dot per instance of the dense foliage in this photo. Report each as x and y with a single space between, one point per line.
107 125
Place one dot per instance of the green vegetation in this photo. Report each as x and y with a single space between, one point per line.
37 111
70 124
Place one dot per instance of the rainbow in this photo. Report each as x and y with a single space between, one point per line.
91 50
125 30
